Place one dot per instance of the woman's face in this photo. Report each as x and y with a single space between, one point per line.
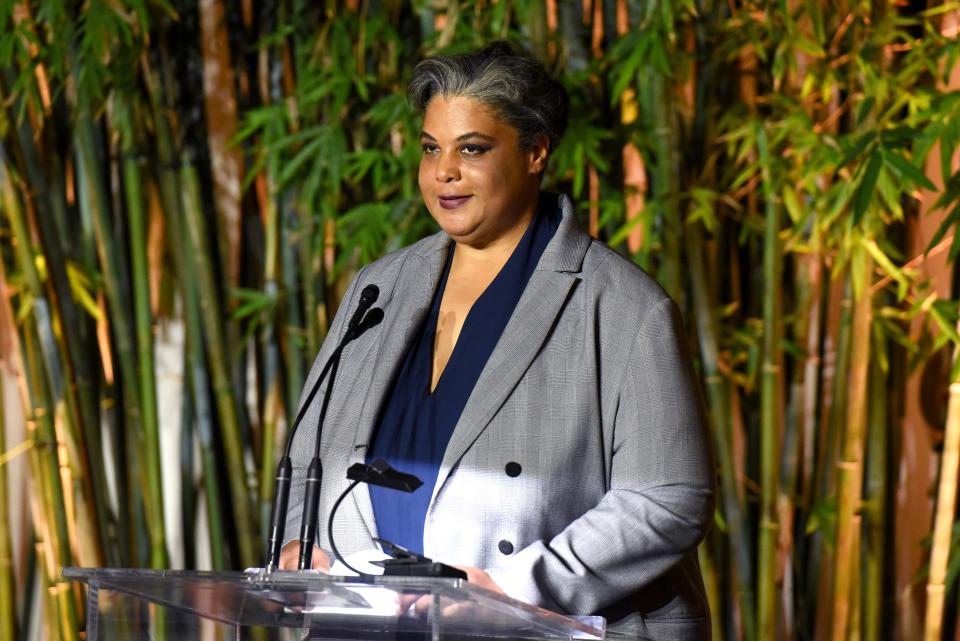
477 184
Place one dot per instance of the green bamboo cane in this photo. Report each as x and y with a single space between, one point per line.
850 464
8 590
666 182
143 326
178 239
213 325
293 320
770 401
711 584
718 395
311 276
878 446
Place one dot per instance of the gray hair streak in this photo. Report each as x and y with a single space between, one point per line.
515 87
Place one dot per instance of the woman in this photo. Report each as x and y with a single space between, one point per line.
535 380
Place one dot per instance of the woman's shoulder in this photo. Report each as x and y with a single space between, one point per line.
618 279
607 274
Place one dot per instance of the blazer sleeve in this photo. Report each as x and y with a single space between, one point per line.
660 499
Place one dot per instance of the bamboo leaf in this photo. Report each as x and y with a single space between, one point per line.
908 170
868 184
794 210
887 266
859 146
865 108
80 285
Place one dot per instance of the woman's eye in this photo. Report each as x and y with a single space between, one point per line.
473 150
428 148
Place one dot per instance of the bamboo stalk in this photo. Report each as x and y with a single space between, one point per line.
810 393
850 465
943 519
836 359
220 107
8 589
143 323
770 403
878 447
246 526
711 583
666 181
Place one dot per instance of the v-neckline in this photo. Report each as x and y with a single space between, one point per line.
466 319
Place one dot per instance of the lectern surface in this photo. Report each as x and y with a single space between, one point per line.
321 606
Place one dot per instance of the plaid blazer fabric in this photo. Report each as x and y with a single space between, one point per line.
580 475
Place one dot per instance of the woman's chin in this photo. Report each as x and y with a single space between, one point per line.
455 224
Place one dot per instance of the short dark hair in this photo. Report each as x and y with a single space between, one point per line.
514 86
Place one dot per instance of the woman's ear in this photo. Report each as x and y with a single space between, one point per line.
538 154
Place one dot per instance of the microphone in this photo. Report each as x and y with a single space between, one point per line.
367 298
284 473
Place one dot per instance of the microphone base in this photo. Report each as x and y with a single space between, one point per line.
425 569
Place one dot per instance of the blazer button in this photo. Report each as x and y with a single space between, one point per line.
505 546
513 469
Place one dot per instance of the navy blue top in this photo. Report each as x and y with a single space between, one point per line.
415 425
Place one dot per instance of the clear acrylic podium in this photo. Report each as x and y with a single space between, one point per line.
159 605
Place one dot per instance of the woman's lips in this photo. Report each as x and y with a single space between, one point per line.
452 202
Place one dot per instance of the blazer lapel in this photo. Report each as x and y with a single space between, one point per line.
536 312
404 312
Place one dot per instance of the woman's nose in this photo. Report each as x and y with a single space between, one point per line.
447 169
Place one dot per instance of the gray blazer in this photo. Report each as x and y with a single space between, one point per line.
590 391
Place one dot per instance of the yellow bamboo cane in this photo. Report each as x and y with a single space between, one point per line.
943 521
850 468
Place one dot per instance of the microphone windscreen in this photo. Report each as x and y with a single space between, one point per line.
369 294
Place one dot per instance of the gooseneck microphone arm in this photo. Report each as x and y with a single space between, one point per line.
281 489
311 495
